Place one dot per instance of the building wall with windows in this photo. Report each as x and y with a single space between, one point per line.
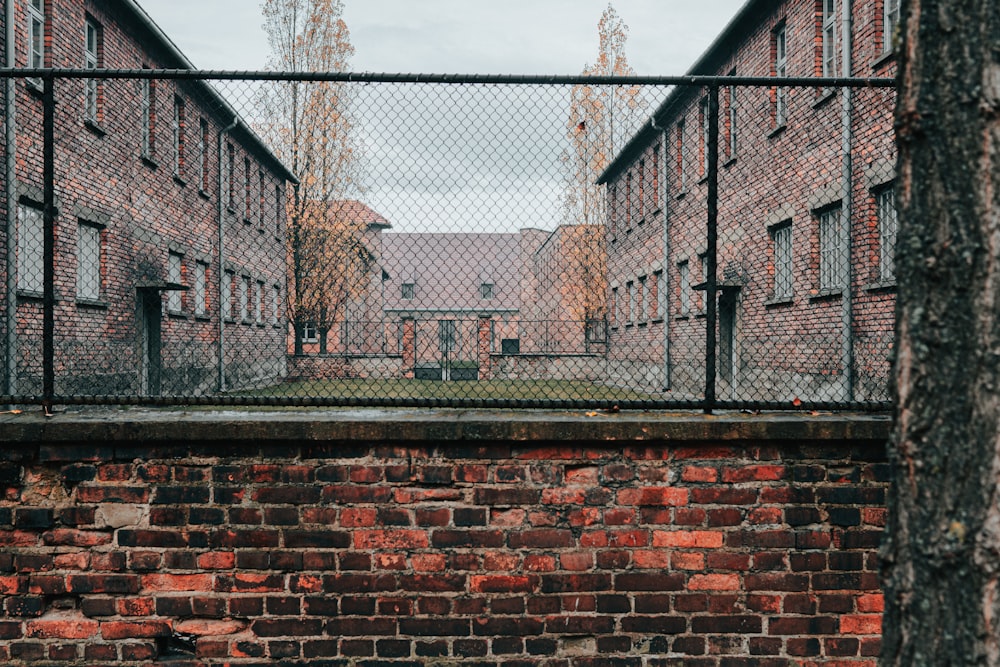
804 256
138 260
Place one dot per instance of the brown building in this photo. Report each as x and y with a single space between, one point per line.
169 217
806 215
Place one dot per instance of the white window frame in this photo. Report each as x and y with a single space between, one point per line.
247 190
486 290
684 283
89 251
175 274
92 60
408 291
888 229
891 16
36 34
630 302
642 296
781 241
202 154
148 120
178 135
832 250
681 157
30 245
201 288
245 287
258 308
829 38
780 71
310 334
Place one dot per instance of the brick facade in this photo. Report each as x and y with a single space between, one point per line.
481 543
784 331
144 180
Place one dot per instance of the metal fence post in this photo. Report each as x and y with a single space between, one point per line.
48 244
711 288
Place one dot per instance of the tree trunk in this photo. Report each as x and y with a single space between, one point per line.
941 556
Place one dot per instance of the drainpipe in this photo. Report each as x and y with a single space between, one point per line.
664 297
847 206
10 315
222 254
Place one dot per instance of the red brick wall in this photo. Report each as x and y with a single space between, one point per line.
502 553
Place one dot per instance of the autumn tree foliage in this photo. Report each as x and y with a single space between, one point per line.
600 120
311 128
941 558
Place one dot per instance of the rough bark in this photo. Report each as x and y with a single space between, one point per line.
941 557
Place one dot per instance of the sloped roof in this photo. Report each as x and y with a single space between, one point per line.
356 211
448 270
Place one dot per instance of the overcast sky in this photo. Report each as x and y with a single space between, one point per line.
467 158
460 36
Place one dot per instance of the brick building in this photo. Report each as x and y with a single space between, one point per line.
806 215
169 217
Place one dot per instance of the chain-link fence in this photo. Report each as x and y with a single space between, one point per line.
175 237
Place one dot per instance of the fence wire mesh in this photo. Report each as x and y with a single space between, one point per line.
724 243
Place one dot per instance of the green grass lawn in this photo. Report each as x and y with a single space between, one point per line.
405 389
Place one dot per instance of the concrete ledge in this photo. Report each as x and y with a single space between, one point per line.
432 426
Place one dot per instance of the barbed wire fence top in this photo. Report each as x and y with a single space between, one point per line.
177 237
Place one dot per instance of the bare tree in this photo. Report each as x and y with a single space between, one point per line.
600 120
941 556
311 127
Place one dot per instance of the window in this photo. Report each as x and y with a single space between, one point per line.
175 274
486 290
681 163
829 27
275 305
245 299
201 288
890 24
88 262
36 35
409 291
684 285
279 210
630 201
30 267
656 306
227 294
258 309
655 179
247 191
229 186
888 227
781 241
309 332
630 305
643 208
261 194
780 69
148 117
642 297
703 263
203 155
832 251
178 132
92 88
613 310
